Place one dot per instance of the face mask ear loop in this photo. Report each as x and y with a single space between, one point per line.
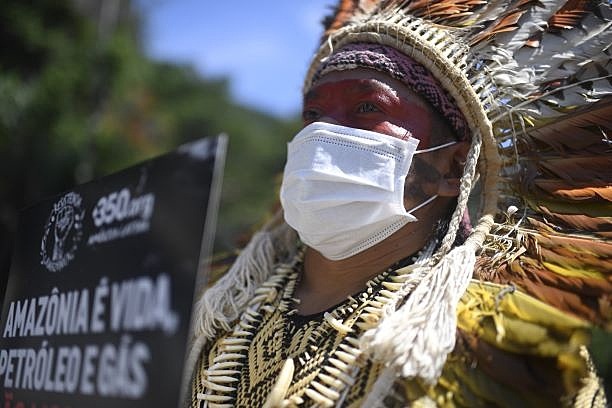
423 204
431 149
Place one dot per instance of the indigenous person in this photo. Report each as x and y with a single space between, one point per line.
366 290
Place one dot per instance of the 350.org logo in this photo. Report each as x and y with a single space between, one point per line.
120 205
120 215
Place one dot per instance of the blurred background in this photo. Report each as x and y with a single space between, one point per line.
88 87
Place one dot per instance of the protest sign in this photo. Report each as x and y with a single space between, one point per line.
101 285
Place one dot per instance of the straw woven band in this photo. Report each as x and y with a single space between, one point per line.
399 66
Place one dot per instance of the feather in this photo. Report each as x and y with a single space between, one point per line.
569 15
345 12
532 20
567 175
575 224
542 71
572 294
582 168
557 50
599 225
506 23
522 373
447 11
571 190
577 244
575 267
578 130
490 11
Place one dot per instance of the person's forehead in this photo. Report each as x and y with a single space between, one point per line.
362 79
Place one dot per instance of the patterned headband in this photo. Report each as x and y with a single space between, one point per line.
403 68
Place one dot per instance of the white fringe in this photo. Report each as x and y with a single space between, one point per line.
416 338
225 300
221 304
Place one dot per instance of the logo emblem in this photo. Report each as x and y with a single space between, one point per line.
63 232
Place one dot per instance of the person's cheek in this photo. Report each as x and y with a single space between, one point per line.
421 182
417 121
413 189
391 129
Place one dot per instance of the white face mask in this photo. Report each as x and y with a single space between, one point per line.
343 188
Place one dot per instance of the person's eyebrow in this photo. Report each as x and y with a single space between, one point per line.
370 86
359 87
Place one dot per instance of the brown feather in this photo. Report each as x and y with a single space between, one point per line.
443 11
344 12
571 190
579 129
504 24
601 226
603 249
584 287
580 297
559 258
568 16
579 168
522 373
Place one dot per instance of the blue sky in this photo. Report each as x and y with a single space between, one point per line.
264 47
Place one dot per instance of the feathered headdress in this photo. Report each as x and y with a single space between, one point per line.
534 81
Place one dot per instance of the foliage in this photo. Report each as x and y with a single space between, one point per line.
76 105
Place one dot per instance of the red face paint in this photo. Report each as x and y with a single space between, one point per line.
368 100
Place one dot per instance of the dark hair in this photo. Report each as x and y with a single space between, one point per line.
441 130
441 228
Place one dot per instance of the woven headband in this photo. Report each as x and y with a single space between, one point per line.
399 66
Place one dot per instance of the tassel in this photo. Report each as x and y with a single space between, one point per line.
417 338
222 304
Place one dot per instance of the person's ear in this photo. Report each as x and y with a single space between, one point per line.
449 185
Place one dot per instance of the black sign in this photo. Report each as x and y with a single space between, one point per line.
97 307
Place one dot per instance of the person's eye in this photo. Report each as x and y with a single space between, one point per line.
367 107
310 115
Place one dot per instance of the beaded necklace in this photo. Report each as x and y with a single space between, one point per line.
268 359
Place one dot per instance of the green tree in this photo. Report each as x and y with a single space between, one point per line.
78 102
